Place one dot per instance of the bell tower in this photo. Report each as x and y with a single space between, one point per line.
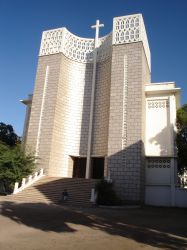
130 71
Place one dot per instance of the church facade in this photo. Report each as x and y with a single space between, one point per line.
109 121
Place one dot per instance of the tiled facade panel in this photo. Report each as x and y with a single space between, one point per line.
70 133
126 162
66 111
47 121
101 109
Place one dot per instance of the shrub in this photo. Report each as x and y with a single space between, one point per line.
181 139
106 194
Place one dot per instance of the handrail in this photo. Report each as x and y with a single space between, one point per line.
26 182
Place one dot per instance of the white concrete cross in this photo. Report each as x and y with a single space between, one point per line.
96 27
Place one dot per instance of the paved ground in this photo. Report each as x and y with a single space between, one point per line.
42 226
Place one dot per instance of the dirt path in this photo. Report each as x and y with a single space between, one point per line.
42 226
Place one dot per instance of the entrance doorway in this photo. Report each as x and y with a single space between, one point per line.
79 167
97 167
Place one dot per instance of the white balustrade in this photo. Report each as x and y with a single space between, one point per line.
35 175
26 182
23 182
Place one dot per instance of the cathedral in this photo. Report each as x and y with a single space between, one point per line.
95 113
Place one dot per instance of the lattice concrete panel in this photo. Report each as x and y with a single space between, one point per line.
51 42
158 162
75 48
158 171
157 104
128 29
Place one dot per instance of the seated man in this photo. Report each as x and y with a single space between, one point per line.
65 195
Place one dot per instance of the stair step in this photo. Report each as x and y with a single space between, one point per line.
49 190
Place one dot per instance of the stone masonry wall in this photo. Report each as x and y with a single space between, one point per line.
65 116
26 123
72 114
70 129
129 74
101 109
46 131
146 79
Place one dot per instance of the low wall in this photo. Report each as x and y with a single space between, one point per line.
181 197
162 196
158 195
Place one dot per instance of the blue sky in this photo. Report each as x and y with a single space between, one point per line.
22 23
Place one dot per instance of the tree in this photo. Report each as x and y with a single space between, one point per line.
7 135
181 138
15 164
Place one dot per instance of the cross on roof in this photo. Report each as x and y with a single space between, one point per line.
96 27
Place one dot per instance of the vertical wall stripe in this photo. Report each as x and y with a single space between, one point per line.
125 92
42 110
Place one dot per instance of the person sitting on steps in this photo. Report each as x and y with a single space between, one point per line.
65 195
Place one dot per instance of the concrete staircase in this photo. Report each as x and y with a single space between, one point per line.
49 190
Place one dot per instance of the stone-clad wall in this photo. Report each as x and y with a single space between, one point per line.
72 109
146 79
47 121
101 109
129 74
66 108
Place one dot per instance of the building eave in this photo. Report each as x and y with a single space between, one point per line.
26 101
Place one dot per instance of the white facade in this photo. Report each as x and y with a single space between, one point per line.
162 100
133 119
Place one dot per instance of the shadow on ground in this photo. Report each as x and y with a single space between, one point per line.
164 228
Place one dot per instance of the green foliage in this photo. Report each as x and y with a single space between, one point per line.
7 135
182 117
181 138
15 164
106 194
